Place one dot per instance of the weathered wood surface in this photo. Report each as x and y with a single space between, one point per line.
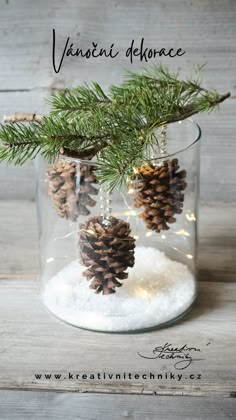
18 239
34 342
61 406
20 253
206 30
198 28
217 242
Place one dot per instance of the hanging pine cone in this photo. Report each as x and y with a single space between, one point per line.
159 192
69 199
107 251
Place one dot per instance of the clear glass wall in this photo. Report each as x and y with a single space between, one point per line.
127 261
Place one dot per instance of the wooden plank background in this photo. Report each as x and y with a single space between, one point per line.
205 29
60 406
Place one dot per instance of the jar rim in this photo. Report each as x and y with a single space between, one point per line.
187 120
195 141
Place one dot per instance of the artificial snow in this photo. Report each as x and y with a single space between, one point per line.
157 290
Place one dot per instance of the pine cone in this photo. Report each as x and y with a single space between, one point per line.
63 189
107 251
159 192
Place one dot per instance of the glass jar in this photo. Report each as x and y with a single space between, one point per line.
126 261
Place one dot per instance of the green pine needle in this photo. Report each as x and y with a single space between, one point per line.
117 127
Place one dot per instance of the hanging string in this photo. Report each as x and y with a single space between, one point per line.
162 145
105 205
163 141
162 148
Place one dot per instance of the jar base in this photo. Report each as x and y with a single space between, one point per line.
157 292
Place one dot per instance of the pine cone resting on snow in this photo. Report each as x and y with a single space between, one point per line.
107 251
69 202
159 192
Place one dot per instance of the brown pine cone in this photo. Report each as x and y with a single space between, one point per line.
69 199
107 251
61 187
159 192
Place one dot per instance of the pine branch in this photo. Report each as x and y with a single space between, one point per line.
115 163
204 104
86 99
117 172
20 143
118 127
22 117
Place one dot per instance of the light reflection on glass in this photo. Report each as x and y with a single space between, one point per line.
50 260
191 217
182 232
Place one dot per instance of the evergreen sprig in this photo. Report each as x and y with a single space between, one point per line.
117 127
20 143
87 99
